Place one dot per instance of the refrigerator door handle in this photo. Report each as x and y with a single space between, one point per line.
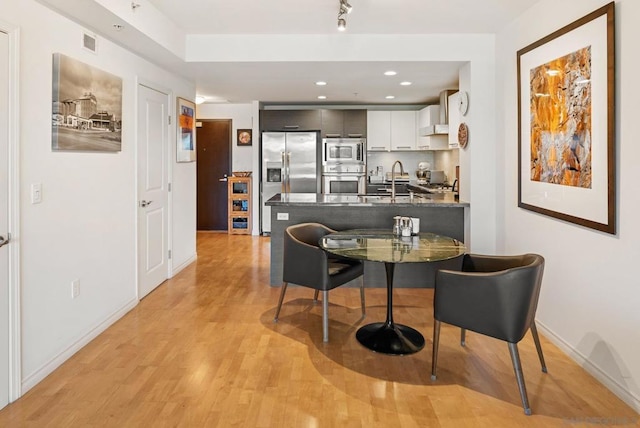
284 172
288 174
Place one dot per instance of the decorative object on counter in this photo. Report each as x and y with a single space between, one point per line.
566 123
244 137
463 135
463 103
397 227
406 226
241 173
186 147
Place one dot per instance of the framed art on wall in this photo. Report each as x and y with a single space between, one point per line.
244 137
186 140
87 107
566 119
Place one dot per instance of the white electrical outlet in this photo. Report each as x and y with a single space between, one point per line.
75 288
283 216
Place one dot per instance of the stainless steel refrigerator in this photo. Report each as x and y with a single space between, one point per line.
289 165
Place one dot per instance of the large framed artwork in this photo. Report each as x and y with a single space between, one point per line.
87 107
186 131
566 119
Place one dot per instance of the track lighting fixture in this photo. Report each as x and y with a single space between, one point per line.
345 8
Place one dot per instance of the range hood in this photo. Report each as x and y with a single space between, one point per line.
441 128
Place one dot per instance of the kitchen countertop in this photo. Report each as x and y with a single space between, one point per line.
317 199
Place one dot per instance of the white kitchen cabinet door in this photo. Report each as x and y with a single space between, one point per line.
378 130
454 120
403 130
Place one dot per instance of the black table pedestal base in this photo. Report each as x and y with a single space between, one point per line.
390 338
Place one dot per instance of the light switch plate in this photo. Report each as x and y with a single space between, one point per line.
283 216
36 193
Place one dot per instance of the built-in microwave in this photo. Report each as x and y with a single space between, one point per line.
343 150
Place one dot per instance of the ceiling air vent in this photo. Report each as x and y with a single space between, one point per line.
89 42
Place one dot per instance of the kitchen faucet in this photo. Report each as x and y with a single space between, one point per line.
393 179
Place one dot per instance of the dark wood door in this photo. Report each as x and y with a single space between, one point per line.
213 142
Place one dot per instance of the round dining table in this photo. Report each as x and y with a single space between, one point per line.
386 247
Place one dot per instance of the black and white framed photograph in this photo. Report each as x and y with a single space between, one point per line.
87 107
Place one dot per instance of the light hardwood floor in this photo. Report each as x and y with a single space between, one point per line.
202 351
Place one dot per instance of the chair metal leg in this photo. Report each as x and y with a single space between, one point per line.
536 340
463 333
517 368
434 352
315 296
284 290
325 315
362 296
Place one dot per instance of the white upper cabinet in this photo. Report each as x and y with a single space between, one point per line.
378 130
392 130
403 130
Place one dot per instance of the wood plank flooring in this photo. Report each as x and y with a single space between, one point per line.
202 351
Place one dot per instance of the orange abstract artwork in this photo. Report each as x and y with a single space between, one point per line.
561 120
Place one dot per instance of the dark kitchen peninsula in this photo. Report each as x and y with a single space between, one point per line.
438 213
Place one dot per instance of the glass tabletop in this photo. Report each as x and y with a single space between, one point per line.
384 246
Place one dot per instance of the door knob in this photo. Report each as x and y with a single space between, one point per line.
3 241
145 203
223 178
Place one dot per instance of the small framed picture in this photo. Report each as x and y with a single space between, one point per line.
244 137
186 131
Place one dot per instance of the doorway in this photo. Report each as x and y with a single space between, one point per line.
153 193
213 143
10 375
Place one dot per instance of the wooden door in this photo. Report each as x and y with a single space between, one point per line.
153 149
213 137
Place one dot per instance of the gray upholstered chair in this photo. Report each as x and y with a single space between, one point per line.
306 264
493 295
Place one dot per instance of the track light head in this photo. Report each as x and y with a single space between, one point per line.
342 24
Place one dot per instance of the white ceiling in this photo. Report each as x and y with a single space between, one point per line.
292 82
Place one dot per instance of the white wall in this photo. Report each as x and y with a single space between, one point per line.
590 294
85 227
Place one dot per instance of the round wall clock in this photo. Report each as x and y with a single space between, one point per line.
463 135
463 102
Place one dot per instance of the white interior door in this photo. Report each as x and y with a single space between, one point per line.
4 219
153 127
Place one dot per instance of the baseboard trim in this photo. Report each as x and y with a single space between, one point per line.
48 368
613 385
176 269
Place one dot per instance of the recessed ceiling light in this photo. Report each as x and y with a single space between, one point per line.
405 83
390 73
322 97
321 83
389 97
